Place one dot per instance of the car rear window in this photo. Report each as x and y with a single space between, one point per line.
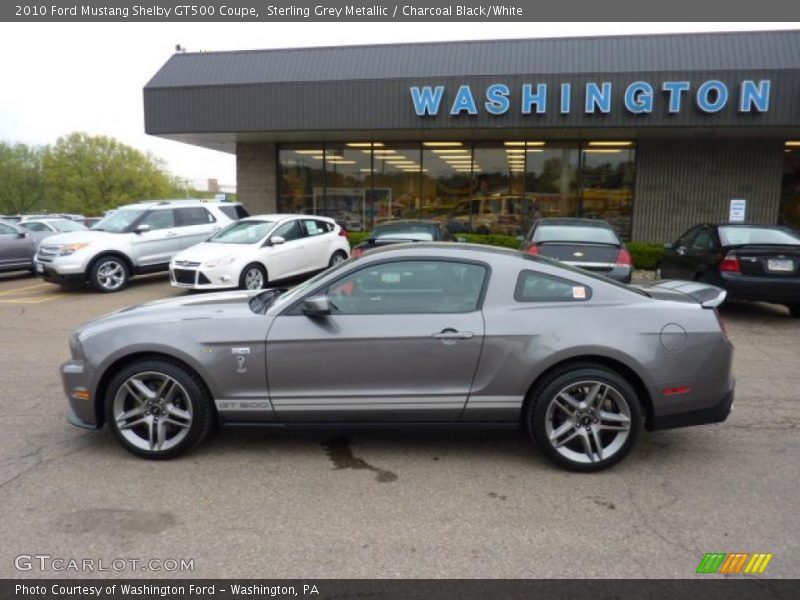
406 231
575 233
734 236
234 211
539 287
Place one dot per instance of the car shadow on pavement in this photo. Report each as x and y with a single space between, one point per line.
749 310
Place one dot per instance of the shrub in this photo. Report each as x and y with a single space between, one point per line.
645 256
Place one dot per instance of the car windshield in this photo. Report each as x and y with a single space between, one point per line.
405 231
119 220
574 233
735 236
242 232
64 225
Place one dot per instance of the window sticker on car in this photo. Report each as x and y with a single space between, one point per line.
390 277
579 292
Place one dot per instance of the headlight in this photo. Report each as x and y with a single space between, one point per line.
68 249
219 262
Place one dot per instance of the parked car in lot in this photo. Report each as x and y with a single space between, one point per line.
752 262
17 247
13 219
401 231
134 239
413 334
254 251
590 244
51 225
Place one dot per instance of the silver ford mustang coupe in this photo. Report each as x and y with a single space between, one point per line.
413 335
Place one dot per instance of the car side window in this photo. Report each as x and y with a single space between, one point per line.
540 287
409 287
159 219
686 238
193 215
703 241
314 227
289 231
7 229
324 226
36 227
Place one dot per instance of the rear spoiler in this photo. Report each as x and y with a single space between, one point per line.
709 296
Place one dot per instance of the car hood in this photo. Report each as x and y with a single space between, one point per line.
206 251
186 308
76 237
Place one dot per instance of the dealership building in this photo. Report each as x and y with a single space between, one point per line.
652 133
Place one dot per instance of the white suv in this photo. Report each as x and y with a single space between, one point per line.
134 239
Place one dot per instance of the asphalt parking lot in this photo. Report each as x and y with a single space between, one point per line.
391 504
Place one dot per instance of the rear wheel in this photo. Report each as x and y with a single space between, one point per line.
253 277
336 258
158 409
109 274
584 418
794 310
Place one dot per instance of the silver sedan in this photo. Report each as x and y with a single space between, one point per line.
414 334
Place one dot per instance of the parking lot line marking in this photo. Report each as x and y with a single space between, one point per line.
29 300
22 289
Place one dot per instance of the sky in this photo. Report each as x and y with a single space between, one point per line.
59 78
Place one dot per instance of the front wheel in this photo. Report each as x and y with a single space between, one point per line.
109 274
158 409
337 258
585 418
253 277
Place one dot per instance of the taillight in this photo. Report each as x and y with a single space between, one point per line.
343 232
730 264
533 250
357 252
624 258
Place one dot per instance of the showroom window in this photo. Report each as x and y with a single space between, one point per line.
480 187
790 190
606 179
409 287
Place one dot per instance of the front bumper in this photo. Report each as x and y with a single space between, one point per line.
60 270
192 278
77 377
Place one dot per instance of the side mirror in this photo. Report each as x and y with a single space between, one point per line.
142 229
276 240
316 306
22 234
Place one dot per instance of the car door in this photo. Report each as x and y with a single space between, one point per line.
318 243
401 345
16 247
702 254
286 259
194 224
157 245
675 263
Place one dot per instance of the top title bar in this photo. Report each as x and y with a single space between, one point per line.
417 10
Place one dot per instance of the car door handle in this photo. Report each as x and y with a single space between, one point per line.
450 334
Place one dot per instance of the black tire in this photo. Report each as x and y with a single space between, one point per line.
538 414
253 268
118 274
337 257
794 310
196 395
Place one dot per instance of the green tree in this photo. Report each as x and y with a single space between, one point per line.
89 174
21 178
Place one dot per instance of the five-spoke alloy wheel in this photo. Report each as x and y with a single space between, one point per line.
109 274
158 409
585 418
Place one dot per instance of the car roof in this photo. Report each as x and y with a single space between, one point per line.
284 217
574 222
175 202
408 222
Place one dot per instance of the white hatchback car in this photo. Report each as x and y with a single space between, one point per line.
260 249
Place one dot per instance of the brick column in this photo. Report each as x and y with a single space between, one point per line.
256 184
